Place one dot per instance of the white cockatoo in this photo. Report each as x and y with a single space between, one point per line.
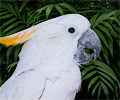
48 68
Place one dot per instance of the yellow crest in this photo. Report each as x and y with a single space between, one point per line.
19 37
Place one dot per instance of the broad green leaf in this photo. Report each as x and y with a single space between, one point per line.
12 9
106 58
110 27
111 47
98 20
8 22
93 19
103 17
17 50
32 14
100 58
115 19
95 87
6 16
9 50
2 9
105 31
104 50
23 5
60 10
87 69
115 27
3 13
68 7
17 12
90 63
107 77
99 91
107 72
105 90
93 81
15 30
41 9
103 65
116 91
11 66
5 6
101 37
89 75
109 85
48 10
12 26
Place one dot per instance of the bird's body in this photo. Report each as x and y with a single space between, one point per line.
47 69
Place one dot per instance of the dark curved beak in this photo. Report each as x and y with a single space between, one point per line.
89 40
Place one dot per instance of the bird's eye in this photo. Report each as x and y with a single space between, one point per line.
71 30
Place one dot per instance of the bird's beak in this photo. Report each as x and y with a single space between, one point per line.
89 40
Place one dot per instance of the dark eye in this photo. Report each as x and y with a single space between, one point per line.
71 30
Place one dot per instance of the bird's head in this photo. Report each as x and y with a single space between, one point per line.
65 34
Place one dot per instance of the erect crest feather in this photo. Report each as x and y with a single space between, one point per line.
19 37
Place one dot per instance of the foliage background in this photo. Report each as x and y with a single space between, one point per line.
100 78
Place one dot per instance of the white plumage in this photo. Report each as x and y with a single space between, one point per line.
47 69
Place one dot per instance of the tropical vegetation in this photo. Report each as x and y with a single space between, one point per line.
100 78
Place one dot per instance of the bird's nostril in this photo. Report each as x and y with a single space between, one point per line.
89 51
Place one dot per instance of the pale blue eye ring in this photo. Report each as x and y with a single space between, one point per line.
71 30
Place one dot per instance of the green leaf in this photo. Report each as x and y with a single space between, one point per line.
12 26
23 5
106 58
68 7
115 19
8 22
104 49
111 47
3 13
59 9
6 16
101 37
11 66
107 77
95 87
9 50
107 72
100 58
17 12
99 90
109 85
17 50
105 31
104 66
93 19
89 75
12 9
105 90
93 81
31 15
5 6
15 30
87 69
48 10
41 9
98 20
110 27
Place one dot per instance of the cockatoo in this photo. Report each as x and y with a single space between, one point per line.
48 68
